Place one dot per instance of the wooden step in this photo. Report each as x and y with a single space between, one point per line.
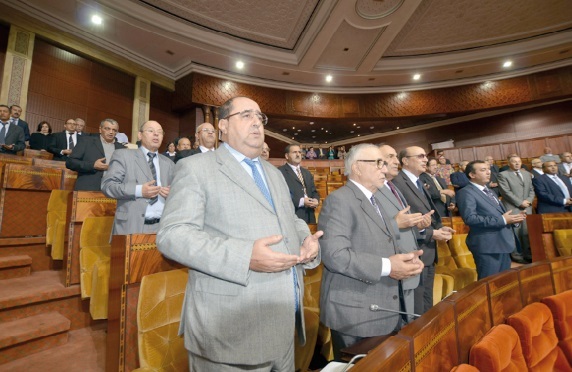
22 337
15 266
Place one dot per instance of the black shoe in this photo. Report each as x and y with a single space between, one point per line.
517 257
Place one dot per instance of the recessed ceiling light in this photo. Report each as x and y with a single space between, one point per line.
293 127
326 131
371 127
351 131
416 76
239 65
299 130
329 78
396 127
292 137
313 130
311 123
326 141
295 134
358 135
313 136
284 130
96 19
355 124
321 128
358 127
507 64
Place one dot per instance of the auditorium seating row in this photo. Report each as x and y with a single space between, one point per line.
537 338
442 338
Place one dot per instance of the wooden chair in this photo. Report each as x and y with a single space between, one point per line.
446 265
563 241
56 223
443 285
461 253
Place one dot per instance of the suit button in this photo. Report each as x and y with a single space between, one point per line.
395 297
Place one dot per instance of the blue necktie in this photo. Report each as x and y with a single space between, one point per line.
259 181
420 186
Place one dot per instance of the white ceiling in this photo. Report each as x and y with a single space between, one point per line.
294 44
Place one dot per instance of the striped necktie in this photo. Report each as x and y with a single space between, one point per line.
301 178
151 156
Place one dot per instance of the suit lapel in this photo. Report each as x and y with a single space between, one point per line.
368 208
482 195
416 191
235 173
142 163
98 145
293 174
386 192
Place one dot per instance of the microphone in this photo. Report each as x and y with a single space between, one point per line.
374 307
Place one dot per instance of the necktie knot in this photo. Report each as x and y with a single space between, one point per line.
151 155
259 181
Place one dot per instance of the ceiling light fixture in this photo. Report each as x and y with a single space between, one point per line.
329 78
507 64
96 19
416 76
239 65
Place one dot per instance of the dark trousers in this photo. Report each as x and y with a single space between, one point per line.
490 264
341 341
423 294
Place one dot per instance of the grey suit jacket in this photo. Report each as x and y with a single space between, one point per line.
214 214
127 169
514 190
406 238
355 241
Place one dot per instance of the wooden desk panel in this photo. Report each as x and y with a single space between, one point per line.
540 228
392 355
535 282
504 294
562 274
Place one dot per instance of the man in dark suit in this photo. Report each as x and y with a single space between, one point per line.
205 136
408 223
493 185
491 238
300 182
140 180
565 166
552 190
442 197
62 143
536 167
363 262
92 155
79 128
12 137
15 113
414 163
459 179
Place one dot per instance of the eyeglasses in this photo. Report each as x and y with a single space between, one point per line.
208 131
379 163
249 115
420 156
153 132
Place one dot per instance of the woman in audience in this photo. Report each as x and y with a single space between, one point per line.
444 170
342 152
331 153
41 139
170 153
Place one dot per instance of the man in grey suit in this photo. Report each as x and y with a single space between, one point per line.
408 223
140 180
363 262
517 192
414 163
491 238
565 166
229 218
11 135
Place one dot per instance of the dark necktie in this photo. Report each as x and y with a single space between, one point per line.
259 181
3 133
394 191
420 186
151 156
519 176
374 203
70 142
490 195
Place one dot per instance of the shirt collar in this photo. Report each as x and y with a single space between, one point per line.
237 155
480 187
410 175
145 151
365 191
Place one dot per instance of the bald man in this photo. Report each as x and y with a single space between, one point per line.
205 136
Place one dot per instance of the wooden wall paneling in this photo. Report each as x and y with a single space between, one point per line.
531 148
65 85
558 144
160 110
508 148
483 151
467 154
454 155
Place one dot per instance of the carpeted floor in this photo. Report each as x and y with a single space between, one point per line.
84 352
